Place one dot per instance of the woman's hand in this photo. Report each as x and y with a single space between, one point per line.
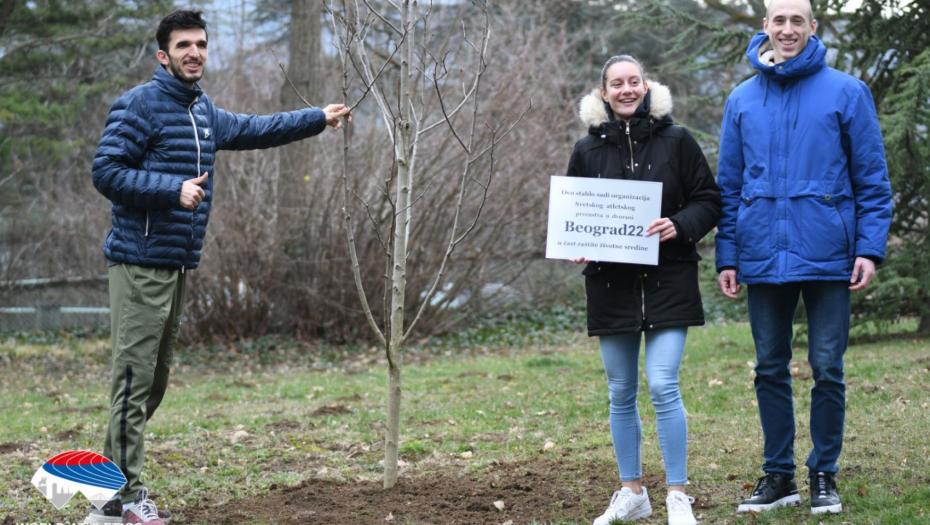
580 260
664 227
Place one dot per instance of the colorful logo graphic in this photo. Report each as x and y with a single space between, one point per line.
68 473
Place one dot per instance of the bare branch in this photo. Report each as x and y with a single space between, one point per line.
281 65
383 19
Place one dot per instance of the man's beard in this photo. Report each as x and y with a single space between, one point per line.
177 71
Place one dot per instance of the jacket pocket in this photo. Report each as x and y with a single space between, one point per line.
754 228
825 222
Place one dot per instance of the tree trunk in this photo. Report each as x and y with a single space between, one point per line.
6 12
404 148
923 324
392 435
303 69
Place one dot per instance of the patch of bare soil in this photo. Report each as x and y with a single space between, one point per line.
331 410
12 446
546 490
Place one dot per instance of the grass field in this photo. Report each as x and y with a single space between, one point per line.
242 420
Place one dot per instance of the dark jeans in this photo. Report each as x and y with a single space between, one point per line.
771 314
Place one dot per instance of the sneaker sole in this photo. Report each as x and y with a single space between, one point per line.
644 513
95 519
793 500
832 509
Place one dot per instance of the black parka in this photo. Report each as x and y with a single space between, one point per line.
626 298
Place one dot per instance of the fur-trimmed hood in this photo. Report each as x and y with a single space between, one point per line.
593 111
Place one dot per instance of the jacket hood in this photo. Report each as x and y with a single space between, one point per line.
811 59
174 88
594 112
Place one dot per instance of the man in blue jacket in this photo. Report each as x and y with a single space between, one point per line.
806 212
155 165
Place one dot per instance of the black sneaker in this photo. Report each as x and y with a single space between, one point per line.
773 490
824 496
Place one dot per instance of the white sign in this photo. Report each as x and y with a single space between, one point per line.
603 219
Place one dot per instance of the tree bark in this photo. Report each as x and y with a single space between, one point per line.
303 69
404 148
923 325
6 12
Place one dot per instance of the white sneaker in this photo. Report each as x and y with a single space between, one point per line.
624 505
679 508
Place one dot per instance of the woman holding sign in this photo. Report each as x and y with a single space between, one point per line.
632 136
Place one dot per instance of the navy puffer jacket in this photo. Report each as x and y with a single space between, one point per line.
157 136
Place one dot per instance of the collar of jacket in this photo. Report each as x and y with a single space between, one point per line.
595 113
813 58
174 88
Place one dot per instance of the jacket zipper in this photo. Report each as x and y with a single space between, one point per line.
642 288
630 142
197 141
146 223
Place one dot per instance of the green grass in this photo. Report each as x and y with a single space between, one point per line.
241 418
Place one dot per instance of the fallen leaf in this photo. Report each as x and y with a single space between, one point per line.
467 454
548 445
499 505
390 517
748 486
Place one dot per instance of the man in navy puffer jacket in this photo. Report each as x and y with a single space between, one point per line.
155 165
806 211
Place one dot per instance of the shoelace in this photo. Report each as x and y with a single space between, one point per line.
761 484
680 503
147 510
619 501
822 485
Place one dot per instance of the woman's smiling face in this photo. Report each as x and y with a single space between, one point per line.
624 89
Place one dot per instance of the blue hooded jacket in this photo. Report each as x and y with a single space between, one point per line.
802 172
157 136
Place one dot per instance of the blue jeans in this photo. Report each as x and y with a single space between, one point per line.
771 314
620 354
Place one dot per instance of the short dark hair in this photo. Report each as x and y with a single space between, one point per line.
180 19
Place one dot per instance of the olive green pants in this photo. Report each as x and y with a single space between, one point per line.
145 313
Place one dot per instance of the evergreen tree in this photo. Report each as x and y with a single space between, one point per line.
888 46
61 62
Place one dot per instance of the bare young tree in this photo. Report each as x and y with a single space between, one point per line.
417 79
